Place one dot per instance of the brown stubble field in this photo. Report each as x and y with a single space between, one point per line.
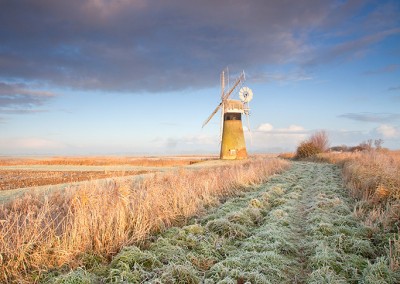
32 172
13 179
105 161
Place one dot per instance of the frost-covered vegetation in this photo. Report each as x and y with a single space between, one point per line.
297 228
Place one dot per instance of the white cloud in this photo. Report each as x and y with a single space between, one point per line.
268 138
388 131
294 128
267 127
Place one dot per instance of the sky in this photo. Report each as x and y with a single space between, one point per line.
139 77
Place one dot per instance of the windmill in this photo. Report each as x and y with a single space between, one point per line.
232 141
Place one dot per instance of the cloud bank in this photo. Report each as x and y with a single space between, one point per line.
19 98
134 46
372 117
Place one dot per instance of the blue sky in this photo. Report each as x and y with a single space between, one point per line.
139 77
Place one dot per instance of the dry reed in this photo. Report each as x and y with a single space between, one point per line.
40 233
373 177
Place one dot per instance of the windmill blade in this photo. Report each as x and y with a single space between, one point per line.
237 82
248 127
212 114
221 125
223 84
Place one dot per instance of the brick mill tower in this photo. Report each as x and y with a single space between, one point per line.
233 146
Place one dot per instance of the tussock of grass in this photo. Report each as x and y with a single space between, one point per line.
325 256
325 275
253 277
226 228
126 276
266 196
247 217
348 220
272 237
255 214
269 264
351 244
357 246
297 188
379 272
240 218
181 238
178 274
167 252
78 276
131 257
277 190
173 245
278 214
195 229
326 202
256 203
294 195
132 265
202 262
275 202
353 267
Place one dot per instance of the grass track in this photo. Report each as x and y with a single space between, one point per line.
297 228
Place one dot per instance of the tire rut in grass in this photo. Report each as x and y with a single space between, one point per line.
296 228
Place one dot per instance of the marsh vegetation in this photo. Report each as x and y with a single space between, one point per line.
259 221
298 227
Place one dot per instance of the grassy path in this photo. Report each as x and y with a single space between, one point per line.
297 228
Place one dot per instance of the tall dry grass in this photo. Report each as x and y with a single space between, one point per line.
373 177
315 144
40 233
370 175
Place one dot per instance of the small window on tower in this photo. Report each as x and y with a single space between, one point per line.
232 152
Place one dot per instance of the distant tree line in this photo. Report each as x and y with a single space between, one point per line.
367 145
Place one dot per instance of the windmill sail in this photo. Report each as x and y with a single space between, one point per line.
212 114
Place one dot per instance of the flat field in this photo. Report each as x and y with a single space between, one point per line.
16 173
14 179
